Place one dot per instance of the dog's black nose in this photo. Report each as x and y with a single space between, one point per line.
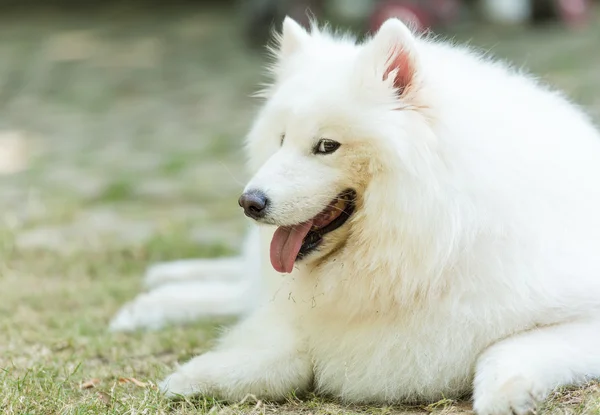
254 203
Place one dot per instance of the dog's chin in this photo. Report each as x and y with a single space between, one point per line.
300 241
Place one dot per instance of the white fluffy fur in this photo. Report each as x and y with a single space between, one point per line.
471 263
187 290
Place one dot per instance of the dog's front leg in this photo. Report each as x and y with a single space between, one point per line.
514 375
263 356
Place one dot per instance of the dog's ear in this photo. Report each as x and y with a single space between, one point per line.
393 49
292 38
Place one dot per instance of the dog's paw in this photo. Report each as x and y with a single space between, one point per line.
208 375
182 303
179 384
515 396
142 313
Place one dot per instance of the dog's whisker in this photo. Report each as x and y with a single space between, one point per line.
235 179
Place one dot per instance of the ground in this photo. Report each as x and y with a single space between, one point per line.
131 122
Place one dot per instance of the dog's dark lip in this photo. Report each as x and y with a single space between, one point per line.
314 238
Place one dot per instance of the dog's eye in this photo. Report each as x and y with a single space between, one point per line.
281 139
325 146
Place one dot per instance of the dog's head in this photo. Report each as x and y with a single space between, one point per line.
336 118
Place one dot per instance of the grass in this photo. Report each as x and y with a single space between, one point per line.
136 120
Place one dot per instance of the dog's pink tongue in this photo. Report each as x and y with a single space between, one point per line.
285 245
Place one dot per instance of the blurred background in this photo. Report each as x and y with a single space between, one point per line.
118 118
121 125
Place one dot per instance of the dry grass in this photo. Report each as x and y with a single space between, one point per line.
132 121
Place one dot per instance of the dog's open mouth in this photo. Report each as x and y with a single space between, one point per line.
291 243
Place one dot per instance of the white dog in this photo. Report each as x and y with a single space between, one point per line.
436 219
